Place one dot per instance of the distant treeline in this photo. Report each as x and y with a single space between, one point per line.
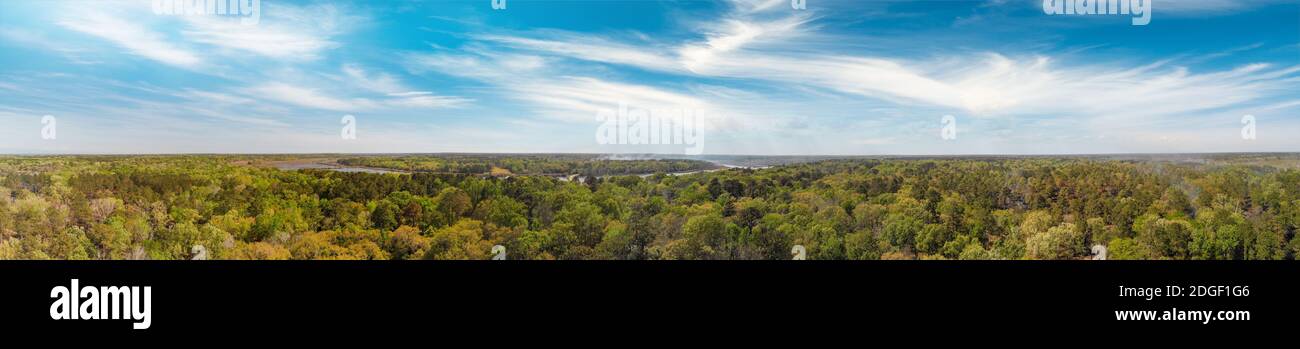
551 164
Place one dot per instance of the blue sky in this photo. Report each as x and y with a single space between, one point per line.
840 77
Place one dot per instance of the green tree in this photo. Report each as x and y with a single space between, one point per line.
463 240
453 203
586 222
1060 242
384 216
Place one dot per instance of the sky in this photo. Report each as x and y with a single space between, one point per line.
838 77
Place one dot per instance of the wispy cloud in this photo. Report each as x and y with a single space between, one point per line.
306 97
987 84
592 48
356 91
1203 7
40 40
294 33
134 37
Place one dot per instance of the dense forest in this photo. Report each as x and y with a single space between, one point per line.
172 207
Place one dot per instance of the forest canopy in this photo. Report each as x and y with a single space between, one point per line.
573 207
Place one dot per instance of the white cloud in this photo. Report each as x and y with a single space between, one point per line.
566 98
290 33
761 67
36 39
391 94
426 101
752 6
759 45
764 47
294 33
262 40
382 83
735 34
306 97
580 98
132 36
395 93
477 64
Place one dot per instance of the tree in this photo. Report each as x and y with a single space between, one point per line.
586 222
384 216
1220 234
453 203
900 230
407 243
950 211
259 251
11 249
532 245
112 238
71 244
862 245
932 237
955 248
504 211
974 252
1126 249
159 207
1163 237
1060 242
313 246
341 214
705 237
